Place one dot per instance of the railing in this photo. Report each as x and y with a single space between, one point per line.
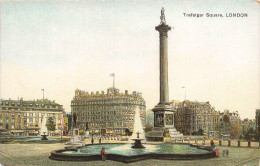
204 141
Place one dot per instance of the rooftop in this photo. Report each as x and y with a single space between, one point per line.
37 101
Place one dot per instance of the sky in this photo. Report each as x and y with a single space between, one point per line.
61 46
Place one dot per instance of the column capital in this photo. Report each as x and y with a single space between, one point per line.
163 29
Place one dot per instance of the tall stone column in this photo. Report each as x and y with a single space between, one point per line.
163 112
163 31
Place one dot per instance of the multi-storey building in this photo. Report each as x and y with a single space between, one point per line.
110 113
229 125
191 116
25 117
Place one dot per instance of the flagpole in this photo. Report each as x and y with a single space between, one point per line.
43 93
114 82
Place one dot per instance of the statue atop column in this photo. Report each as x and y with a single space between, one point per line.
163 21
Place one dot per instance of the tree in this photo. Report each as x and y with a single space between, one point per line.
235 128
50 124
257 136
128 132
249 134
226 119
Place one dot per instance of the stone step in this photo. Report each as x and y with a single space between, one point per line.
158 129
173 130
174 134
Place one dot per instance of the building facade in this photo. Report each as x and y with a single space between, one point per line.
192 116
110 113
229 125
247 124
25 117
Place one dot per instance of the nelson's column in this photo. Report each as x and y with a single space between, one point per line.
163 111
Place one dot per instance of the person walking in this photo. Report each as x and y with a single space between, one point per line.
103 154
216 151
227 153
100 140
224 153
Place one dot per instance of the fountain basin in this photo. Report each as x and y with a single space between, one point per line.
124 153
27 140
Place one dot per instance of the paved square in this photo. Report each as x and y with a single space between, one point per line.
38 154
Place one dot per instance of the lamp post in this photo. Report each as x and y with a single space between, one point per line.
208 129
92 140
61 135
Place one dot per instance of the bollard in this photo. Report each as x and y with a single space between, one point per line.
220 142
249 144
229 142
238 143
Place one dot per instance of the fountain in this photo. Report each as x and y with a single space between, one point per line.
44 130
138 130
21 139
76 141
127 153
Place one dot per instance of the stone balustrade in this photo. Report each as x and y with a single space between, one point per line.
231 143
